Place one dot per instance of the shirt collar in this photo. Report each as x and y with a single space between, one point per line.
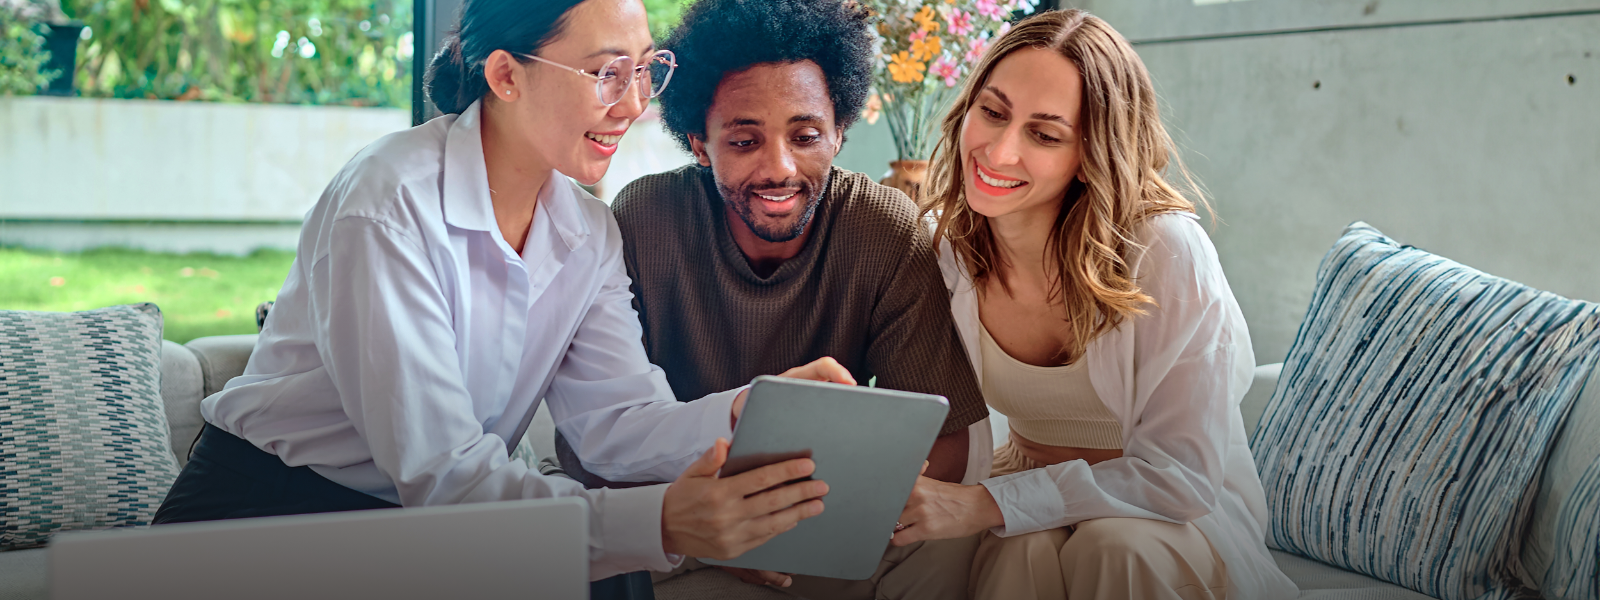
467 204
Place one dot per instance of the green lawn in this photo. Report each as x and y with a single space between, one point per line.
199 294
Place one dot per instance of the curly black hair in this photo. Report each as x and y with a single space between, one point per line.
718 37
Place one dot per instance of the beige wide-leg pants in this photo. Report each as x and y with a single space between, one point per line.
931 570
1100 559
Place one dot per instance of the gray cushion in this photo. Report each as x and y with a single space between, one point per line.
1318 580
1255 401
182 387
23 575
1559 554
84 442
222 358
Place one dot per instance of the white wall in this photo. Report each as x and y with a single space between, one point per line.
1460 135
87 159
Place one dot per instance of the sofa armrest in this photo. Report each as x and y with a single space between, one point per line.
182 388
222 357
1261 389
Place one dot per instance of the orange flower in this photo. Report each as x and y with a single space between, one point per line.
927 19
873 109
926 48
903 69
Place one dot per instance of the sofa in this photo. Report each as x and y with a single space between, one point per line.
190 372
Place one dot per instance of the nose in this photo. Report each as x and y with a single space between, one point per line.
632 103
777 163
1007 149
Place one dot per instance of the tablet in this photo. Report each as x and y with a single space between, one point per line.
869 445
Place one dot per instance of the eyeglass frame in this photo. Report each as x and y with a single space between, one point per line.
600 80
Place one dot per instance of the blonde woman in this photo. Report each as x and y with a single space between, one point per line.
1098 320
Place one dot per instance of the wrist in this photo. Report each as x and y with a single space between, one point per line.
988 510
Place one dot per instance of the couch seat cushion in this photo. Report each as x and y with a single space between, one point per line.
23 575
84 442
1413 414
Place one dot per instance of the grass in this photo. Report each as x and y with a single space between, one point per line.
200 294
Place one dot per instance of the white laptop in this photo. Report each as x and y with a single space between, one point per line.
522 549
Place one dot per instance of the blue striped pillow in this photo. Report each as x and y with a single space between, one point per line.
1562 552
1414 411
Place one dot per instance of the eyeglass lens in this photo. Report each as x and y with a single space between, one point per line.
615 80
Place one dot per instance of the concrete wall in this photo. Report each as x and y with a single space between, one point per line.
183 164
1470 128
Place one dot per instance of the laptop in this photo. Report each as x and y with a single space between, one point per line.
521 549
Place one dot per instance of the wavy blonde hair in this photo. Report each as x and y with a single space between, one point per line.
1126 151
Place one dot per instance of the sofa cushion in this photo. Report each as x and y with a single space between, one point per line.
1413 412
1324 582
1562 551
182 388
83 435
23 575
222 357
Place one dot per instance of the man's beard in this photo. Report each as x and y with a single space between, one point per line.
742 201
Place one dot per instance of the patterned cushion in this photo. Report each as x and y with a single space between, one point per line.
1414 411
83 437
1562 553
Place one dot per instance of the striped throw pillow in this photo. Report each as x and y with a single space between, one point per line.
83 437
1414 411
1562 552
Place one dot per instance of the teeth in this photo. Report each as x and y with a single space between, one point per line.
605 140
776 198
999 183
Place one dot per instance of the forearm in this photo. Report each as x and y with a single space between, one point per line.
948 460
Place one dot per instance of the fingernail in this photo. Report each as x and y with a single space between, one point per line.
787 581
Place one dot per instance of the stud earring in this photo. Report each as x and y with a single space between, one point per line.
508 92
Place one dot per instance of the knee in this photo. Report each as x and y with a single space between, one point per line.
1117 541
1037 544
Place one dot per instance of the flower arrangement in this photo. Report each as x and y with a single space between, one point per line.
926 48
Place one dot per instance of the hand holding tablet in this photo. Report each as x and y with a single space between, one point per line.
867 444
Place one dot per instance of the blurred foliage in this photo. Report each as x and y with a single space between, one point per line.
22 55
345 52
664 15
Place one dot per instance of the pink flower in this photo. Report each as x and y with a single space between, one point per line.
919 35
947 70
976 50
960 22
1004 27
991 9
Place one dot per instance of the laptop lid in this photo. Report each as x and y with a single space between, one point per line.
526 548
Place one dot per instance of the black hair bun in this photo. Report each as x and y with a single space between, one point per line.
443 80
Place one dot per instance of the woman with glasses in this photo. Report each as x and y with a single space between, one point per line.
451 278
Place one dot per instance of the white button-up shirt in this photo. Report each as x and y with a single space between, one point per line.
410 346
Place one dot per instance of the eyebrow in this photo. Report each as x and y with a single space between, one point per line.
1037 116
743 121
618 52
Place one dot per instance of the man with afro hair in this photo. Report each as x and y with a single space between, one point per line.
762 254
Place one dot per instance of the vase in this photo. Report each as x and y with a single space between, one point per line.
906 176
62 42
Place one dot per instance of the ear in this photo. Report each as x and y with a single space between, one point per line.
504 75
697 146
838 143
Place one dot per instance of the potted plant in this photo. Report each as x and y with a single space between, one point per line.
926 49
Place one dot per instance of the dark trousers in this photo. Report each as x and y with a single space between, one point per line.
229 478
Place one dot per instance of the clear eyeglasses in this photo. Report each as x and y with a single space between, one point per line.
610 85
